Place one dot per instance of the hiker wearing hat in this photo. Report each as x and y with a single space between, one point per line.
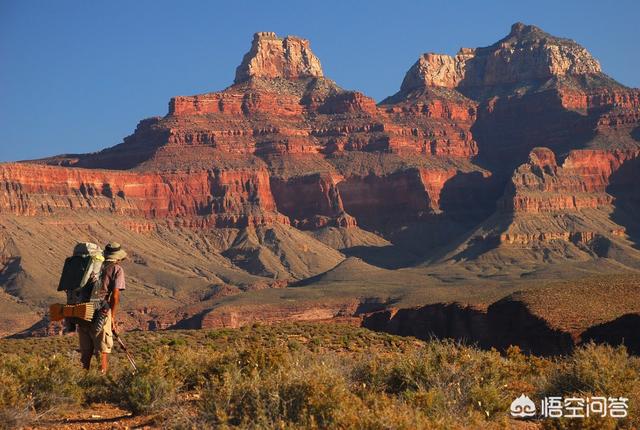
97 339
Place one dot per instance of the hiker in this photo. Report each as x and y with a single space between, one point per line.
96 337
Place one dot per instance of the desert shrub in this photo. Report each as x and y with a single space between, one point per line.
431 402
189 367
597 370
382 411
445 379
440 383
146 391
297 391
48 382
15 404
179 418
152 387
262 359
32 386
97 388
11 392
174 342
312 376
369 373
313 393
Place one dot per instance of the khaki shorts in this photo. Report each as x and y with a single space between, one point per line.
97 343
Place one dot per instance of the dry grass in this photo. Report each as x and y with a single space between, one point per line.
305 376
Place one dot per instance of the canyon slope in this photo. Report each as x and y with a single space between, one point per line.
286 197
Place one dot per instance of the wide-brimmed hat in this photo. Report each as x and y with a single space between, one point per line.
113 251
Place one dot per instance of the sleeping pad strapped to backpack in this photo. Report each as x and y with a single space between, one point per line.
80 278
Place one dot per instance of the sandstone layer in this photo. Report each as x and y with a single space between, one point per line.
495 163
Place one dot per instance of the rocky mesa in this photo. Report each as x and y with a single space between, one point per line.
513 160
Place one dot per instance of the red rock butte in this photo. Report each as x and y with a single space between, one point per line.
511 142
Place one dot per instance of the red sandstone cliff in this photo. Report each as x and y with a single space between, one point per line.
281 103
528 129
283 139
532 89
581 181
219 198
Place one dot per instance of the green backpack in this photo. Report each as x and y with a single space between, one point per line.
81 273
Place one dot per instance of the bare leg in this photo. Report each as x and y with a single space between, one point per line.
85 358
104 363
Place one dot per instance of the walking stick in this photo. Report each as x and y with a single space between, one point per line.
126 351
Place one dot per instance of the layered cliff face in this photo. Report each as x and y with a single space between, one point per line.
563 115
312 201
526 54
281 103
215 197
583 181
281 107
573 213
541 185
548 201
496 104
532 89
494 162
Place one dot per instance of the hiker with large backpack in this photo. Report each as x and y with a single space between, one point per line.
79 280
96 336
93 282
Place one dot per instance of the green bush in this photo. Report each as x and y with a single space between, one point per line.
47 382
99 388
597 370
146 392
33 386
447 379
15 404
152 387
298 391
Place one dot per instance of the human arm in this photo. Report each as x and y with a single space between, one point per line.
116 284
113 304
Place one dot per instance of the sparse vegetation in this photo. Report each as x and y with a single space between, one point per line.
307 376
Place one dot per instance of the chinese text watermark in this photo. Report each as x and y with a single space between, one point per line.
571 407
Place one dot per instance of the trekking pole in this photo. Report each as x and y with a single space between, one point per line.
126 351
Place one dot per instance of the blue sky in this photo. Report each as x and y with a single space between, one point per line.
77 76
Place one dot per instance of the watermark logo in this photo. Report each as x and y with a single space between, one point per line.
523 407
571 407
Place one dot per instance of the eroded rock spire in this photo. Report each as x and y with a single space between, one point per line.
274 57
